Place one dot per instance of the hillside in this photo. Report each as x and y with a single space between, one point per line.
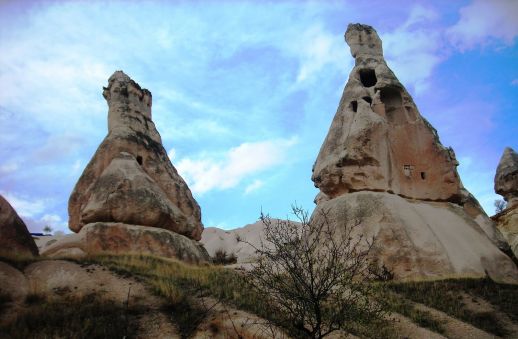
145 296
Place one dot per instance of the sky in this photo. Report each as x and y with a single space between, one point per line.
243 91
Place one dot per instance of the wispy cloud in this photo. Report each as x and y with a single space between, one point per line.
413 49
514 82
485 22
255 185
24 206
207 173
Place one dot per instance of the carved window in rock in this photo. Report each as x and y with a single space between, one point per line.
139 160
407 170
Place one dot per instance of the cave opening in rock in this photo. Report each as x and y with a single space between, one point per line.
368 99
423 175
391 98
354 105
368 77
139 160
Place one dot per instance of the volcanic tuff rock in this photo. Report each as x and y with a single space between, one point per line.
15 239
506 184
378 141
506 178
379 146
130 179
119 238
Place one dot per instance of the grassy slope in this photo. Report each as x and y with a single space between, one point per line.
182 285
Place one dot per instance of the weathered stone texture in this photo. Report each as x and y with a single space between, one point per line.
148 189
383 168
15 239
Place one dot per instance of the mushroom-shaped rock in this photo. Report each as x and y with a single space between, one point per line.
506 184
130 178
506 178
15 239
382 168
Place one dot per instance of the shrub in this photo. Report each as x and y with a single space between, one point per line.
222 258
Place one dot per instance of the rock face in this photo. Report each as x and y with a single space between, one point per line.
378 141
15 239
506 184
239 241
130 179
506 178
380 154
119 238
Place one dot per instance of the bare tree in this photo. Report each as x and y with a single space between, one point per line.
499 205
314 275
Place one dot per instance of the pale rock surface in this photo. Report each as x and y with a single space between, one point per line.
506 184
380 154
416 239
119 238
240 241
378 141
133 142
15 239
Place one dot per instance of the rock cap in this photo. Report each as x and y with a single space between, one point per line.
506 177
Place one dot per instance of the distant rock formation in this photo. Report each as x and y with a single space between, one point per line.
130 178
506 178
15 239
382 165
241 241
130 198
506 184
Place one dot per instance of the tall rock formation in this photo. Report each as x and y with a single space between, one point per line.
130 178
382 165
15 239
506 184
130 198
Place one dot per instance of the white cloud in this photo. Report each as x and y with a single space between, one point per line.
412 52
23 206
254 186
209 173
514 82
482 22
320 48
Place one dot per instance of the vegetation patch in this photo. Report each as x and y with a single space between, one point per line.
221 257
444 295
86 317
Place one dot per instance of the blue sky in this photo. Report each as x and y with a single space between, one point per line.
243 92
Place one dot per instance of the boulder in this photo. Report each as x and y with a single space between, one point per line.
506 184
383 168
133 143
15 239
13 284
119 238
419 239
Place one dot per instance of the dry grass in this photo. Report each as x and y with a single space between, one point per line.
85 317
445 295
